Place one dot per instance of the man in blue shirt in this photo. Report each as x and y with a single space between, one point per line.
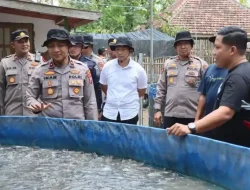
213 77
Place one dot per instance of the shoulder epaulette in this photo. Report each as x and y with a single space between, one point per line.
80 63
44 63
173 57
8 56
195 57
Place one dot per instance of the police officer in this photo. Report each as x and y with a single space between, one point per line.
15 71
64 85
75 51
178 84
95 65
112 54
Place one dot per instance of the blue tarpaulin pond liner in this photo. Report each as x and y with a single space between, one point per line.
163 44
220 163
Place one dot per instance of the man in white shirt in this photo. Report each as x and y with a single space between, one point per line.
123 81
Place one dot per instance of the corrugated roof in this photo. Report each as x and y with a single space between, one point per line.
137 35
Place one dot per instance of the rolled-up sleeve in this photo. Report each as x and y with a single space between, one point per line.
103 77
142 79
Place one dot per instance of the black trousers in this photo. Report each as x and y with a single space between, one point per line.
118 120
169 121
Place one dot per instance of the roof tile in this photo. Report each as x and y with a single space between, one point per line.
207 16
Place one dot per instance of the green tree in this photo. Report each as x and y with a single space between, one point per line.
244 2
120 15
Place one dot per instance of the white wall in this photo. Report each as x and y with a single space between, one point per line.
41 27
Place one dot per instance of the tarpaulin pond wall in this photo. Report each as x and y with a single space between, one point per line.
220 163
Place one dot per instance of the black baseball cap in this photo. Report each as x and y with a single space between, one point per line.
18 35
57 34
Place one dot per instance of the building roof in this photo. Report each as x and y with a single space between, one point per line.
206 17
58 14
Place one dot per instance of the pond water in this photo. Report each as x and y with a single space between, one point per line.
30 168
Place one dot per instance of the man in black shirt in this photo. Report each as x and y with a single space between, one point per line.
228 120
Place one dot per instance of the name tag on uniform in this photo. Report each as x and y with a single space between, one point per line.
34 64
75 71
50 73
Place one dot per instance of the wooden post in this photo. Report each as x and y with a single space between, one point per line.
66 23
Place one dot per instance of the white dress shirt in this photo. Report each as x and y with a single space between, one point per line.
123 84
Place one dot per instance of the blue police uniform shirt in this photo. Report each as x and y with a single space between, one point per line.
91 63
92 67
213 77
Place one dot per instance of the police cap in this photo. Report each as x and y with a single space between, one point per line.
18 35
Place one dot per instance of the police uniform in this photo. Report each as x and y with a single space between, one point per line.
14 78
178 85
93 64
70 90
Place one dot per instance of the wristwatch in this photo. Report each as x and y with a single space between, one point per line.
192 128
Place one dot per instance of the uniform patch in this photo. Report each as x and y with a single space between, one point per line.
50 91
50 73
171 80
34 64
191 73
12 79
50 83
71 63
76 90
172 73
173 65
75 71
193 66
73 82
79 82
88 73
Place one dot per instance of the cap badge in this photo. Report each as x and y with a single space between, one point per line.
22 34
